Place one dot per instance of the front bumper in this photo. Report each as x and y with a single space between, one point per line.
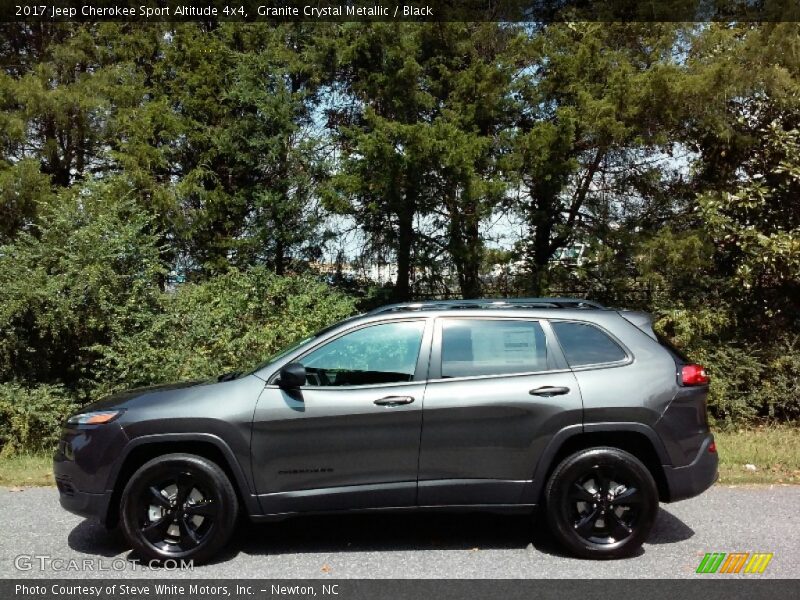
85 504
696 477
83 465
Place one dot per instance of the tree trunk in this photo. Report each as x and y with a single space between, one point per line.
471 244
464 246
542 224
280 259
405 239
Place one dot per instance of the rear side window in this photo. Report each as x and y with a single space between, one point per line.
585 344
492 347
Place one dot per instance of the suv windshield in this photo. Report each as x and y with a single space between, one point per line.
281 353
295 345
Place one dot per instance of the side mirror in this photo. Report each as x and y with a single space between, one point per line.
292 376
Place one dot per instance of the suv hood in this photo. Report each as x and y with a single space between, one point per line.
155 393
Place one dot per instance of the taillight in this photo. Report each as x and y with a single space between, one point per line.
694 375
712 447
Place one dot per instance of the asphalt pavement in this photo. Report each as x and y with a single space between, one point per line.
38 533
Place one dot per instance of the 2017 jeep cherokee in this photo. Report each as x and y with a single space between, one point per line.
498 405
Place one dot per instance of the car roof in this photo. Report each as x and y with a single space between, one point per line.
489 304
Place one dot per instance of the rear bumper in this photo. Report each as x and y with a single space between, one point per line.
694 478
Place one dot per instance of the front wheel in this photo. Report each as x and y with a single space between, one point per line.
601 503
178 506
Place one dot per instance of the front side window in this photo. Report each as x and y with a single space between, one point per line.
492 347
385 353
585 344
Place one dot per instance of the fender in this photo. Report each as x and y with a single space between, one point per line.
532 493
242 481
645 430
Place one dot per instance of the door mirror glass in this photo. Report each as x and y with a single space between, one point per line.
292 376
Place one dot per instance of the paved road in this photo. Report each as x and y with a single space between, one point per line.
725 519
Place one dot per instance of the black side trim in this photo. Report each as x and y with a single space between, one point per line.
407 494
453 492
355 497
505 509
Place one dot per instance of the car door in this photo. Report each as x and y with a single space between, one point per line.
499 389
349 438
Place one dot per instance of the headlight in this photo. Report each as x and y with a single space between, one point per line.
96 417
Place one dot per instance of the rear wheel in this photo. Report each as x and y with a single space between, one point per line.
601 503
178 506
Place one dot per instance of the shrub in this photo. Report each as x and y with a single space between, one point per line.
757 384
751 382
90 266
228 323
31 418
781 383
734 396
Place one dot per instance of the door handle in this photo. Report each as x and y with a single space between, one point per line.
547 391
394 400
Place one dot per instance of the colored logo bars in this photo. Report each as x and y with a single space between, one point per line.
735 562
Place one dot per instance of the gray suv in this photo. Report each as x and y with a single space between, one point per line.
491 405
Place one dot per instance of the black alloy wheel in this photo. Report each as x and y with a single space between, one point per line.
601 503
177 515
178 506
605 508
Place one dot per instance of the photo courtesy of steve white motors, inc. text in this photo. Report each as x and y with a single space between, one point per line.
198 10
172 589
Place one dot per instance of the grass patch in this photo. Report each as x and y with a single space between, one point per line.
774 451
27 470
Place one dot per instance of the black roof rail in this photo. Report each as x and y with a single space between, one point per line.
488 303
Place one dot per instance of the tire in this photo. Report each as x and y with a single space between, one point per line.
601 503
178 506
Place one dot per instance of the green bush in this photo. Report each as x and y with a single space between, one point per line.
755 385
734 396
88 269
750 382
747 341
781 381
229 323
31 418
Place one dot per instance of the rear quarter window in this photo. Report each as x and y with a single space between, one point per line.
585 344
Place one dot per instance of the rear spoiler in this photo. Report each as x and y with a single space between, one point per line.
641 320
